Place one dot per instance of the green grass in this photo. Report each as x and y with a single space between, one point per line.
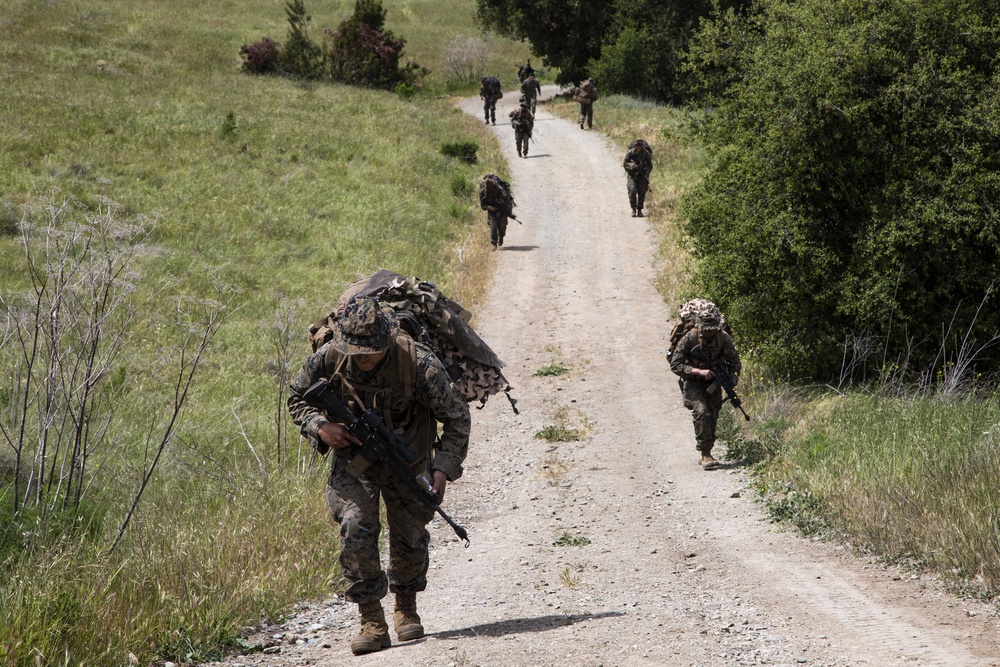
912 479
283 192
551 370
567 540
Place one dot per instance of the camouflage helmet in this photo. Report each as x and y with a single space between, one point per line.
709 322
365 327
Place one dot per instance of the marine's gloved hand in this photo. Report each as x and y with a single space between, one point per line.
513 216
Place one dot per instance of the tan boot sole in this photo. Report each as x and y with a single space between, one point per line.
409 632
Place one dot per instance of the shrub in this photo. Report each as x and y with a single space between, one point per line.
362 56
260 57
466 151
301 57
370 13
465 61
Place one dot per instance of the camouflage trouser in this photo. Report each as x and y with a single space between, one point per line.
587 113
637 187
521 138
354 504
532 101
704 407
498 227
490 109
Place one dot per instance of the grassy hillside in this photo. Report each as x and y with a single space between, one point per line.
262 198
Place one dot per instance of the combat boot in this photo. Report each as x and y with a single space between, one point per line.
405 618
633 213
638 212
374 635
708 462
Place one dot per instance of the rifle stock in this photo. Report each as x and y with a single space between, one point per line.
378 443
723 377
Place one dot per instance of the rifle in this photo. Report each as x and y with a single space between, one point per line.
378 443
723 377
509 212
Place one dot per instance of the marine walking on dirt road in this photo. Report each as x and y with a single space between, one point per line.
523 122
705 343
586 94
495 198
530 90
490 92
371 365
638 164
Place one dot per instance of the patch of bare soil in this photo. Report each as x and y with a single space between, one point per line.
617 549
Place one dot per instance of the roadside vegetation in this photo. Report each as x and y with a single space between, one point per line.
169 227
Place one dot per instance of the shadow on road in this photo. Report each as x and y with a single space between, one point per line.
515 626
518 248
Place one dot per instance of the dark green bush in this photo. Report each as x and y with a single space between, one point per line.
466 151
855 192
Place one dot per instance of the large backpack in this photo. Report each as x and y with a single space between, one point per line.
493 87
643 143
433 319
687 319
496 190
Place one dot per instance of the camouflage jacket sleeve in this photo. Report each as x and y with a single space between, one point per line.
436 390
681 362
308 418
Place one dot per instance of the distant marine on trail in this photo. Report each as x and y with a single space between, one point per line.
703 341
530 89
585 95
638 164
523 122
490 91
495 198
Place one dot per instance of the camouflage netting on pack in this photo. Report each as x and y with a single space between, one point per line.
689 313
436 321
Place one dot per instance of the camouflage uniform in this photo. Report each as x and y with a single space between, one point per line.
530 89
704 398
586 95
498 205
638 165
523 123
489 91
354 501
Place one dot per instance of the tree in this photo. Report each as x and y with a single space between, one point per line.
643 47
630 46
857 181
300 56
567 34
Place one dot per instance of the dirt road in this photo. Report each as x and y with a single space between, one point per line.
617 549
